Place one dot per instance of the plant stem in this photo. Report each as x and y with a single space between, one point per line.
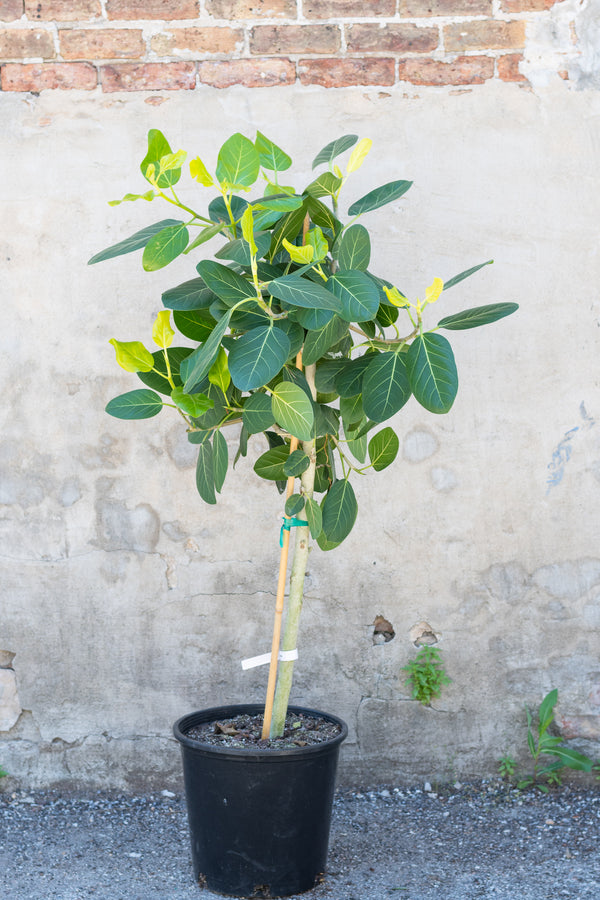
296 591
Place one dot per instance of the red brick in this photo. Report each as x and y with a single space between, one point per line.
179 76
331 73
278 39
152 9
26 44
347 9
101 43
484 35
10 10
35 78
513 6
420 8
63 10
249 72
391 39
234 10
508 67
197 41
463 70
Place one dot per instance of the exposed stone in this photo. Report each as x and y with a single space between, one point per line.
10 708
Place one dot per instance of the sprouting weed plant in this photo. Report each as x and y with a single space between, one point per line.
426 675
507 766
550 754
3 774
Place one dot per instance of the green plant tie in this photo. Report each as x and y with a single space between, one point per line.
288 524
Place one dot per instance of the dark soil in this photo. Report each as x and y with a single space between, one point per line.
245 731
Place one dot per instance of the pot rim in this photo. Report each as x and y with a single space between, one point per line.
250 753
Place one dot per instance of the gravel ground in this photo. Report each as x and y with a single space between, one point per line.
458 842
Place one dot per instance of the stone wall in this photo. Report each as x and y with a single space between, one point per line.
124 601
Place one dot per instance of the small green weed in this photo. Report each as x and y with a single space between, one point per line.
550 755
426 675
507 766
3 774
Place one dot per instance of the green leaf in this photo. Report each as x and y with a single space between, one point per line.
157 380
573 759
204 235
339 511
220 460
353 249
432 372
296 463
198 363
359 298
295 333
278 203
546 710
270 465
334 149
158 146
239 250
224 282
238 163
270 155
134 242
193 404
387 193
478 315
321 215
313 319
314 517
205 476
466 274
294 504
164 247
385 386
191 294
317 343
293 410
195 324
218 212
352 412
326 185
348 381
327 372
300 292
383 448
327 420
358 447
258 356
258 413
140 404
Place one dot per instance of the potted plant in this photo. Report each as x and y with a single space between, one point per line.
295 343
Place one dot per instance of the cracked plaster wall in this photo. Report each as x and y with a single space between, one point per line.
126 602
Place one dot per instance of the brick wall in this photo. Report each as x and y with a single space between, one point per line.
141 45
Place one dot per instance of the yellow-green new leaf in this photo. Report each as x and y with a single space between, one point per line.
200 173
162 333
132 356
293 410
219 372
434 290
358 155
193 404
302 255
247 223
172 161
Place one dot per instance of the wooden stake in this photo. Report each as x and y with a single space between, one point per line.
279 602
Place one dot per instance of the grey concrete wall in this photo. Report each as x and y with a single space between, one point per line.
126 602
